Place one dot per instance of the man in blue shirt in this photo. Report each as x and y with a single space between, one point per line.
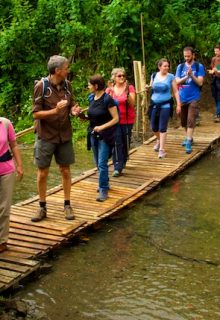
189 78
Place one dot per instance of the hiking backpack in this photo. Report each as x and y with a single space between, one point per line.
197 69
46 92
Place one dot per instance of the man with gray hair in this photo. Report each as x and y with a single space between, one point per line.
52 106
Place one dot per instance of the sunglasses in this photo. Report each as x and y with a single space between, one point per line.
121 76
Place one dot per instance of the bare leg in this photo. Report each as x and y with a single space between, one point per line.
189 133
42 175
157 134
66 181
163 136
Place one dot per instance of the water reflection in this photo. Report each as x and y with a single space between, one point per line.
121 273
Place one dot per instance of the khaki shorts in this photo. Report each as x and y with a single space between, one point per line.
44 151
189 114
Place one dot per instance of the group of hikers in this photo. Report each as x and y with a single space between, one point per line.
111 115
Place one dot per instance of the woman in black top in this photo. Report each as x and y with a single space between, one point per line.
103 117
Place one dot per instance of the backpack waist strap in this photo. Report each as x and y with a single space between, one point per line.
6 156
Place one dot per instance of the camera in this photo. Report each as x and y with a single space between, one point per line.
96 135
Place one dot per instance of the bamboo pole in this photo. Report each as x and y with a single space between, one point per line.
142 40
143 80
31 129
24 132
138 87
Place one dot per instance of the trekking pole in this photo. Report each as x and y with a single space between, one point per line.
127 132
116 152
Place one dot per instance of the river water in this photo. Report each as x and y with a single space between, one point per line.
155 260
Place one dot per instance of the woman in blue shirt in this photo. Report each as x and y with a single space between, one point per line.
163 85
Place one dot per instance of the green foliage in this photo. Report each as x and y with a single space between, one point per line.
96 35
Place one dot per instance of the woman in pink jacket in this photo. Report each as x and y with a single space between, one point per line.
10 162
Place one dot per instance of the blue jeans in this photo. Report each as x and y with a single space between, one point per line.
122 145
218 107
101 151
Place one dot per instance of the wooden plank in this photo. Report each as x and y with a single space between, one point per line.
63 228
42 248
2 285
13 267
5 279
32 240
122 200
16 248
10 274
20 261
35 234
34 228
15 254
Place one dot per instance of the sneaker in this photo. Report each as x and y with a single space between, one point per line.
188 146
68 211
161 154
40 215
3 247
103 195
217 118
116 173
157 146
184 142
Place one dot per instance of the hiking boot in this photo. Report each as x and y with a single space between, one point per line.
188 146
103 195
68 211
161 154
40 214
184 142
157 146
116 173
3 247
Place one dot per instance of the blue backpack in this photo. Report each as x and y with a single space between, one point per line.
46 92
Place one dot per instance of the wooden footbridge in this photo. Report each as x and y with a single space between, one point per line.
28 241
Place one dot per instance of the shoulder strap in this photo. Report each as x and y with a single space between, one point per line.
46 87
91 97
153 75
65 85
181 67
106 99
197 66
5 122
